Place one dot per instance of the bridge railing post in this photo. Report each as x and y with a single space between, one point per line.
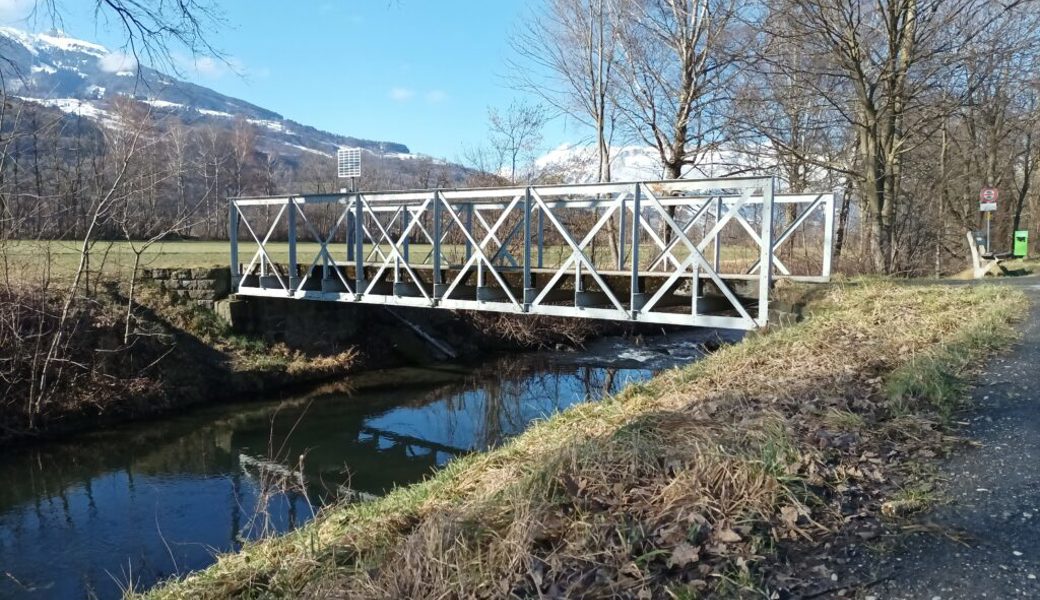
294 279
541 236
828 232
469 229
717 258
359 247
765 276
635 296
350 232
406 221
621 236
529 291
236 267
437 275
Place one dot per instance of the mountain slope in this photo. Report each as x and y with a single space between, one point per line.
83 78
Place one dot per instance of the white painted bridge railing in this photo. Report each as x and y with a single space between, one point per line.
686 252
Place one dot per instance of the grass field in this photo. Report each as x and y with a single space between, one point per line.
29 259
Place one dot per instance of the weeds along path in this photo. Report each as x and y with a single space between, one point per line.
691 485
984 542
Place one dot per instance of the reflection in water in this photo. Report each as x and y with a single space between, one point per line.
82 518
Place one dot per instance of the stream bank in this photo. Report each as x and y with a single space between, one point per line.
87 515
705 481
182 353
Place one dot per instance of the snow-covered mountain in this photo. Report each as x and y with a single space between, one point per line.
84 78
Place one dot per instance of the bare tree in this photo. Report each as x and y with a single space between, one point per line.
516 134
575 42
153 29
677 69
892 56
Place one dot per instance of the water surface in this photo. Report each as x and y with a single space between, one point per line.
84 518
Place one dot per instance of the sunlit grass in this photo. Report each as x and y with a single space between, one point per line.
721 445
58 259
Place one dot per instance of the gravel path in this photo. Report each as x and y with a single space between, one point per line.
985 543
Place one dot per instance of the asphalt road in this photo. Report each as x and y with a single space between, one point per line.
985 542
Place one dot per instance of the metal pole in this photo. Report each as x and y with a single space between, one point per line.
828 232
350 234
359 246
293 267
989 248
765 277
541 234
469 229
634 293
695 287
621 237
436 243
236 268
527 248
717 259
406 221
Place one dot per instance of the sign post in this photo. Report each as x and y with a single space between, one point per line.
988 204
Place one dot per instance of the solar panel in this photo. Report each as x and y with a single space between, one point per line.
348 162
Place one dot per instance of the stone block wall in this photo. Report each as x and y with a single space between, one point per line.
203 286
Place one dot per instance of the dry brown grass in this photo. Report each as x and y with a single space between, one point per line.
674 489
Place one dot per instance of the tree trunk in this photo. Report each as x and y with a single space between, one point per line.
843 220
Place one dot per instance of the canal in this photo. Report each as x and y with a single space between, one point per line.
90 516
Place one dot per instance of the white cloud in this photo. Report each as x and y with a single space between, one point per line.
117 62
436 96
400 94
208 67
404 94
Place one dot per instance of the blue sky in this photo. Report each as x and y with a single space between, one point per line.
420 72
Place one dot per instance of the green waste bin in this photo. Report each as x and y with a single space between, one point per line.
1021 244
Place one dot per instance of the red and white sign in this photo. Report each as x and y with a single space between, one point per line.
988 199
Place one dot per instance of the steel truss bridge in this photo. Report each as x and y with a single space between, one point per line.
682 252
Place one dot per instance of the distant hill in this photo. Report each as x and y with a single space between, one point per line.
83 78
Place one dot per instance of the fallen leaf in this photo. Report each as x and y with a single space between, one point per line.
684 554
728 536
789 515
